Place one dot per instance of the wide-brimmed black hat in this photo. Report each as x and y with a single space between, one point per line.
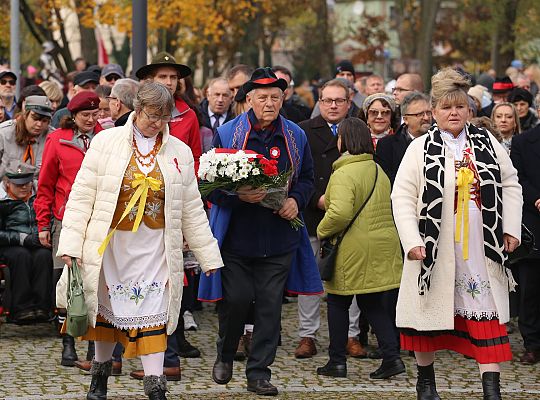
264 77
502 85
163 59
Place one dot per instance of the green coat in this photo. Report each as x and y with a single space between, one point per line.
369 257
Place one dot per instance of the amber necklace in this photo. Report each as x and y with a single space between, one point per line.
147 160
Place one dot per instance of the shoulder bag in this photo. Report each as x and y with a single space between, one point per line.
329 247
77 312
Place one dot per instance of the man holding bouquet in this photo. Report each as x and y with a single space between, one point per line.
262 251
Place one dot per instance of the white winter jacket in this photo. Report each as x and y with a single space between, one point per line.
435 309
93 199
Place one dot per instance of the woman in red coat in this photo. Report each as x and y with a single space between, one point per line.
62 157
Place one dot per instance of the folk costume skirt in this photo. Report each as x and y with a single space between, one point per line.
477 332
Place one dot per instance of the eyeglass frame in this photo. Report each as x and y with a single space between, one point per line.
166 119
12 82
382 113
339 101
428 113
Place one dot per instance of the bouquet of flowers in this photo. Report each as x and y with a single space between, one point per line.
229 169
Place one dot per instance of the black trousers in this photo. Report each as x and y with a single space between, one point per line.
31 274
529 305
257 283
374 307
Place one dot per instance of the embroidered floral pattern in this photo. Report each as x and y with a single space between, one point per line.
153 209
473 286
135 291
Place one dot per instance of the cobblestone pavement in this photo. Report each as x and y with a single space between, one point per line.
30 369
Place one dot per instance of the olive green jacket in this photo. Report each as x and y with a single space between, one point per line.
369 257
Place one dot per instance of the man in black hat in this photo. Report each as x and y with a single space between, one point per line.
258 244
30 264
83 81
501 89
8 85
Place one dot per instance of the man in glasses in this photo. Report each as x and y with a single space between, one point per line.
121 100
8 85
416 114
110 74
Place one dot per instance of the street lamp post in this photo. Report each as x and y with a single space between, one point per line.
15 50
139 29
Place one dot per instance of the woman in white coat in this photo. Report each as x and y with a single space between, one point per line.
134 200
457 206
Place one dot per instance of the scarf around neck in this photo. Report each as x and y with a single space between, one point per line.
432 198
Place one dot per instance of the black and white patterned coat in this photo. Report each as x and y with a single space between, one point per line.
435 309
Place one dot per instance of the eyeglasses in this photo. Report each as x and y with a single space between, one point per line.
328 102
88 115
376 113
156 118
399 90
11 82
112 77
111 98
420 114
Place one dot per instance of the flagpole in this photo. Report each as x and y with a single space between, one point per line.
139 27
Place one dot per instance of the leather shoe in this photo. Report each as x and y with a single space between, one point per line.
222 372
530 357
306 348
187 350
335 370
262 387
86 365
388 369
355 349
172 374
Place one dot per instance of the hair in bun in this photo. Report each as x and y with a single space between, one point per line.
450 87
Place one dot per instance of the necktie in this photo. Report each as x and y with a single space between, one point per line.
86 142
216 122
334 129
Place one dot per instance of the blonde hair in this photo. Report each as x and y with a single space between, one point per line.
52 91
514 112
449 87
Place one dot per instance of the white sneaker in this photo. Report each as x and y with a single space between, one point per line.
189 322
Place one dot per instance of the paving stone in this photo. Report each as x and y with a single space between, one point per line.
30 369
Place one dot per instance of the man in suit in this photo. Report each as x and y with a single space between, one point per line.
321 132
216 109
416 114
525 156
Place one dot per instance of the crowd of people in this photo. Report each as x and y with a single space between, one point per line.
430 188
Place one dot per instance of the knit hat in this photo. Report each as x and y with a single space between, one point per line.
344 65
518 94
379 96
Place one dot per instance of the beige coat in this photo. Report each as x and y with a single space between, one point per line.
435 310
93 200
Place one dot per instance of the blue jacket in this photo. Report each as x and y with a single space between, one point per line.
253 231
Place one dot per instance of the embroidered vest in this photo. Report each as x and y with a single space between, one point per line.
154 216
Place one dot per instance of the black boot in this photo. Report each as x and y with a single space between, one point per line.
91 352
425 385
100 374
491 385
69 355
155 387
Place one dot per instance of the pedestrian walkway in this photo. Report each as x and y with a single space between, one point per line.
30 369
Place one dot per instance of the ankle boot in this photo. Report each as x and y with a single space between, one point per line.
100 374
425 385
155 387
491 385
69 355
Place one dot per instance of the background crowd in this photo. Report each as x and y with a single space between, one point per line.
46 131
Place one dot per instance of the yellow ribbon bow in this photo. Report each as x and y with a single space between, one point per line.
143 184
465 178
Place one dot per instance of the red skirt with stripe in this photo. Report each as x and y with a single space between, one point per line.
486 341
